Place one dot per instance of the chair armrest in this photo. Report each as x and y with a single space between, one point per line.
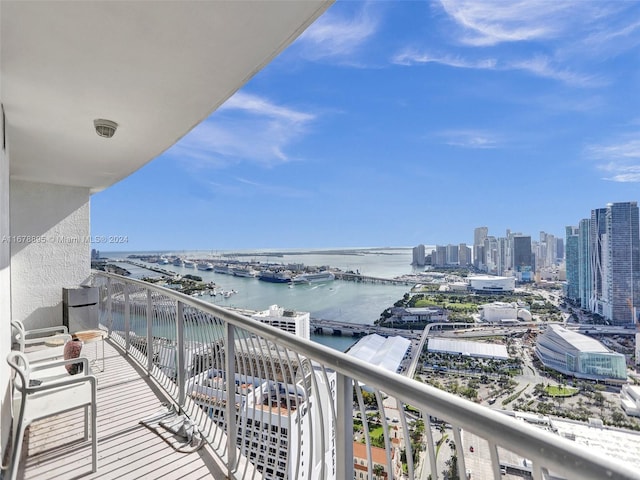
41 331
71 380
58 363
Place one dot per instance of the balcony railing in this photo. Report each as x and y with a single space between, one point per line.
273 405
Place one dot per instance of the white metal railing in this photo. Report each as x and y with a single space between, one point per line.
273 405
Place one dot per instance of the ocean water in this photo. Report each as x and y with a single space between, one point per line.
337 300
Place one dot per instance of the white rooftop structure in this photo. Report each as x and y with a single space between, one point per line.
580 342
472 349
630 400
382 352
298 323
491 283
578 355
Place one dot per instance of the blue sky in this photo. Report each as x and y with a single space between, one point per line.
399 123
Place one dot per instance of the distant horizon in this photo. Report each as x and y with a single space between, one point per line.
251 250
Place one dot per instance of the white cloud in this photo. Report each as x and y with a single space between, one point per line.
621 159
624 149
489 23
243 187
337 37
414 57
470 138
542 66
246 128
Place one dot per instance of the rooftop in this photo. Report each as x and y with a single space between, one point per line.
473 349
380 351
580 342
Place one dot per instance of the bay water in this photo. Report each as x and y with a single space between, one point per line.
337 300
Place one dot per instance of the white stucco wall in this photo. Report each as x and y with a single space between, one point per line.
57 255
5 297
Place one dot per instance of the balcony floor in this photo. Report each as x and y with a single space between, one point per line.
54 448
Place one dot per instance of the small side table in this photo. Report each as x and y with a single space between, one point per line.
91 336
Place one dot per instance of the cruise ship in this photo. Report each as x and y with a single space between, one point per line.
222 269
189 264
206 266
244 271
178 262
316 277
274 277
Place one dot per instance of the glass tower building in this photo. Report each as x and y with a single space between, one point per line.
572 264
622 273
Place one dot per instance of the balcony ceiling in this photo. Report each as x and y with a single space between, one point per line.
155 68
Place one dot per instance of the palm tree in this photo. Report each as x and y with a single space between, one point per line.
378 470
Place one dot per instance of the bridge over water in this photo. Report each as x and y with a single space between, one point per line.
339 328
356 277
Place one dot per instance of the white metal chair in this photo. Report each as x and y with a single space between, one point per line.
54 394
51 339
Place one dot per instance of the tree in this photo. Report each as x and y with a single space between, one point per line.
378 471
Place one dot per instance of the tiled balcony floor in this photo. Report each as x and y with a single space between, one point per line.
126 449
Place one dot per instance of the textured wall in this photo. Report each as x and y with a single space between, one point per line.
5 296
50 248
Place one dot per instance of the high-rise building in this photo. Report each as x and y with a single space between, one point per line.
502 265
491 254
452 254
622 274
523 264
597 259
464 255
419 256
479 236
585 286
559 250
609 262
572 264
439 256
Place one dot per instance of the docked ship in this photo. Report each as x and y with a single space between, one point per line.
189 264
316 277
178 262
222 269
274 277
205 266
246 271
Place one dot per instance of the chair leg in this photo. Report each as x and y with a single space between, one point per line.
17 450
94 438
86 423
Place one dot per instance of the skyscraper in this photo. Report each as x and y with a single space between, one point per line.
452 254
522 258
585 287
622 273
610 280
479 236
464 255
419 255
572 264
597 260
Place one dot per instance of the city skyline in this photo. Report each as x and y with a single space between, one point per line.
394 124
603 262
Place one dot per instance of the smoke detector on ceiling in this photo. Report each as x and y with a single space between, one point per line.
105 128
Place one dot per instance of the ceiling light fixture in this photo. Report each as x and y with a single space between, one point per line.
105 128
